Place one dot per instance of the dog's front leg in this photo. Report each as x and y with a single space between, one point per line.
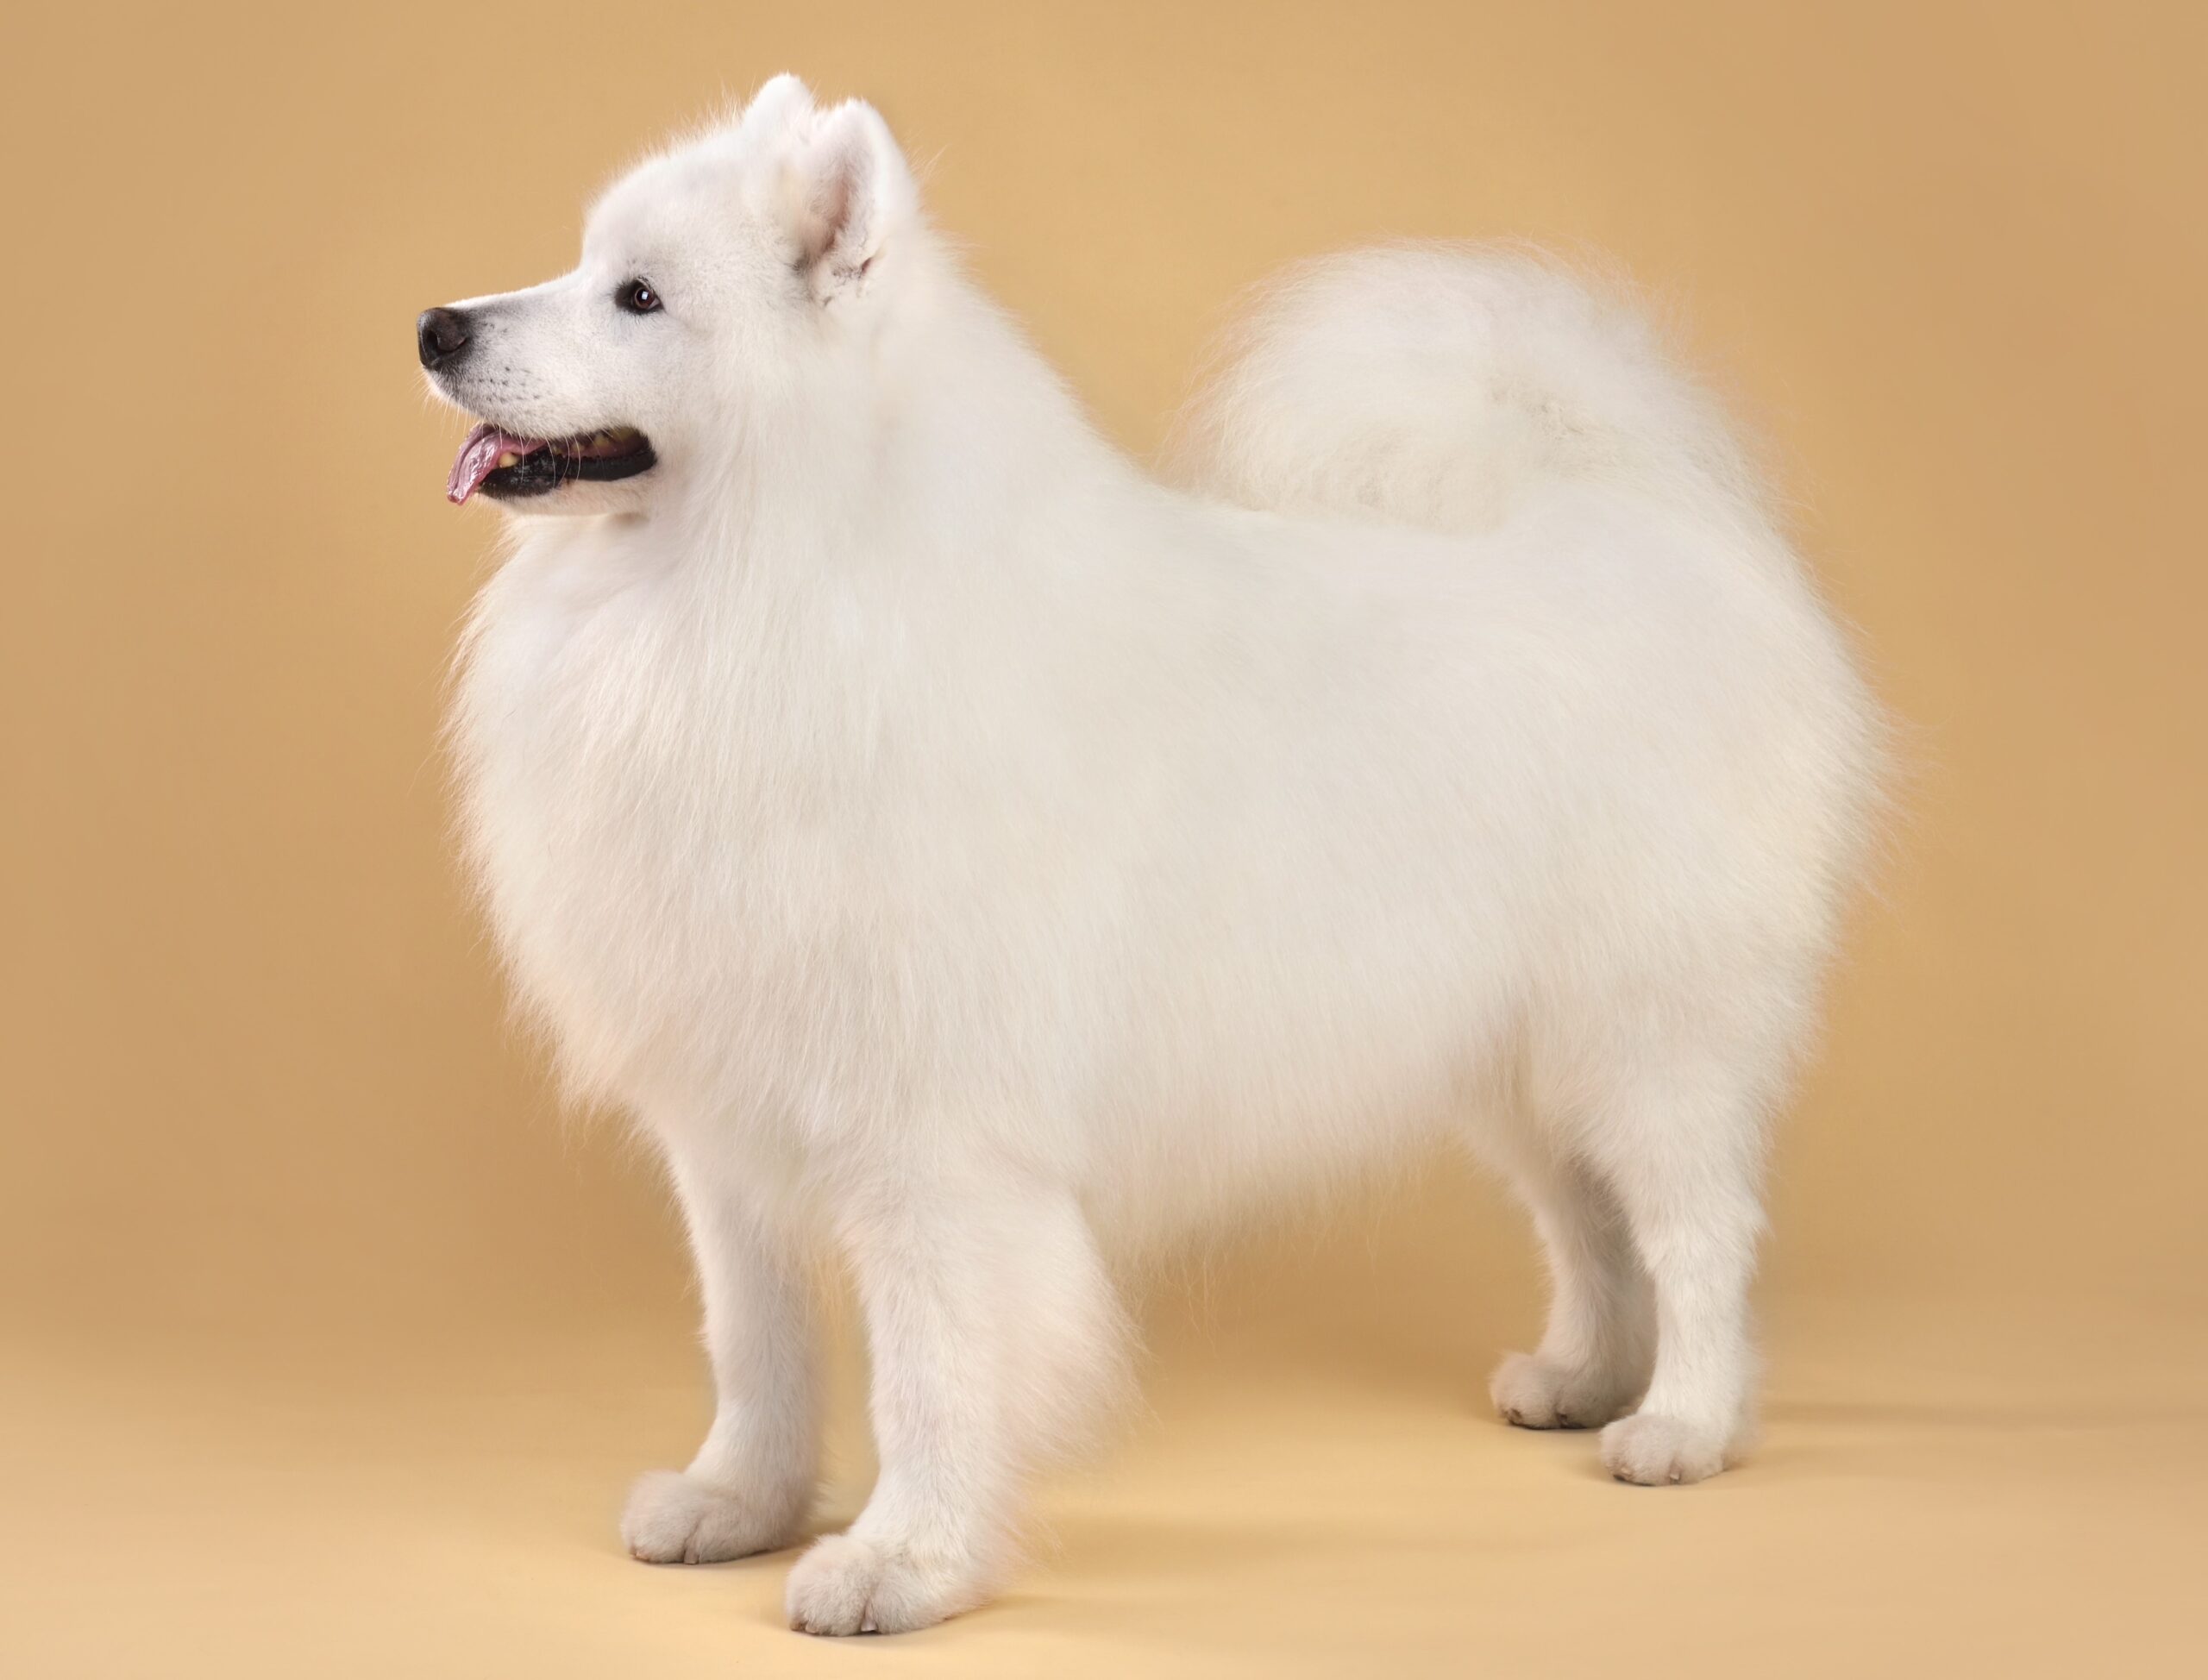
752 1480
996 1343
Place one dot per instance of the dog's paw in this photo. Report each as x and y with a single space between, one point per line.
1653 1449
673 1517
847 1585
1533 1393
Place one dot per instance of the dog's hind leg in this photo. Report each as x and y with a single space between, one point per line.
1593 1360
1682 1153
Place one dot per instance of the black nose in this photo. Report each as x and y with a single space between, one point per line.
443 336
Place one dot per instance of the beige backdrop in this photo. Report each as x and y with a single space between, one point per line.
329 1342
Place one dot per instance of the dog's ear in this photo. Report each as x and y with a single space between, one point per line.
850 196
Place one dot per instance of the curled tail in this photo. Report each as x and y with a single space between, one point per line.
1435 386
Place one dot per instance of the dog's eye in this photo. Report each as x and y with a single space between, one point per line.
637 298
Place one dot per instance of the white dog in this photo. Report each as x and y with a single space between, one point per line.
975 862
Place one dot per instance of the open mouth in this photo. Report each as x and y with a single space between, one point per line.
507 468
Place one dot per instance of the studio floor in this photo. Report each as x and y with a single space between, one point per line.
2038 1506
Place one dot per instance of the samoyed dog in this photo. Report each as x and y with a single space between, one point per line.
977 864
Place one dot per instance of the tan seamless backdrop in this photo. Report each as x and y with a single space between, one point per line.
327 1342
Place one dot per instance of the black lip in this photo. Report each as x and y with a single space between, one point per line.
544 471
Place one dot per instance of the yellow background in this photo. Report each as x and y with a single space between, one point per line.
327 1345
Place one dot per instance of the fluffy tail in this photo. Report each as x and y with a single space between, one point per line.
1435 386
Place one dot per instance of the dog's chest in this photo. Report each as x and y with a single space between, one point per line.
669 828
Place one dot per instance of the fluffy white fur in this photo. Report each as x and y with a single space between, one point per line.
974 860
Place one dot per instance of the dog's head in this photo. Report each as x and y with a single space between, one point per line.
722 284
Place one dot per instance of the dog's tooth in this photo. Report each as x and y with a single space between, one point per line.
508 459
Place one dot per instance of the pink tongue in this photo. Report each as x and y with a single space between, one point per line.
479 458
